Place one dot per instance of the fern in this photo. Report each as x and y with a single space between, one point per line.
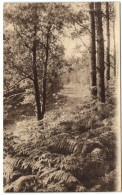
109 182
90 145
60 177
66 156
64 146
97 132
23 184
23 165
73 165
8 169
23 152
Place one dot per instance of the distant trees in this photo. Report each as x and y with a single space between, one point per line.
97 48
96 28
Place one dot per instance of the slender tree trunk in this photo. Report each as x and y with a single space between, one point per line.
100 54
108 43
44 89
36 86
93 50
45 75
114 45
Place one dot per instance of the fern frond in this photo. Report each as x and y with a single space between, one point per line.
65 146
108 182
23 184
59 177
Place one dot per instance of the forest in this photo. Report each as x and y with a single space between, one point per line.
61 97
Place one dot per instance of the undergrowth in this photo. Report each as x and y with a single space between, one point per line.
72 150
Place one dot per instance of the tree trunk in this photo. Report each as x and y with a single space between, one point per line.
108 43
45 75
114 45
44 88
93 50
100 54
36 86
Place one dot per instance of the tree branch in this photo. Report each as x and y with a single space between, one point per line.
17 83
14 95
84 44
23 72
25 44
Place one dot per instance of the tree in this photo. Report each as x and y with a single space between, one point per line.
35 80
34 43
23 55
114 41
93 49
100 54
108 43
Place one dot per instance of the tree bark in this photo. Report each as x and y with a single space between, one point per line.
93 50
100 54
108 43
114 44
36 85
45 75
44 89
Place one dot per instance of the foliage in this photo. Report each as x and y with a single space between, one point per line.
58 156
29 28
73 146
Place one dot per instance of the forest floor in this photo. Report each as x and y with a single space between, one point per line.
72 150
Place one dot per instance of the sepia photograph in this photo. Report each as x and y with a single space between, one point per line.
61 97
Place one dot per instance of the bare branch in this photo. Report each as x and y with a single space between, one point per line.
14 95
84 44
84 27
17 83
23 73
